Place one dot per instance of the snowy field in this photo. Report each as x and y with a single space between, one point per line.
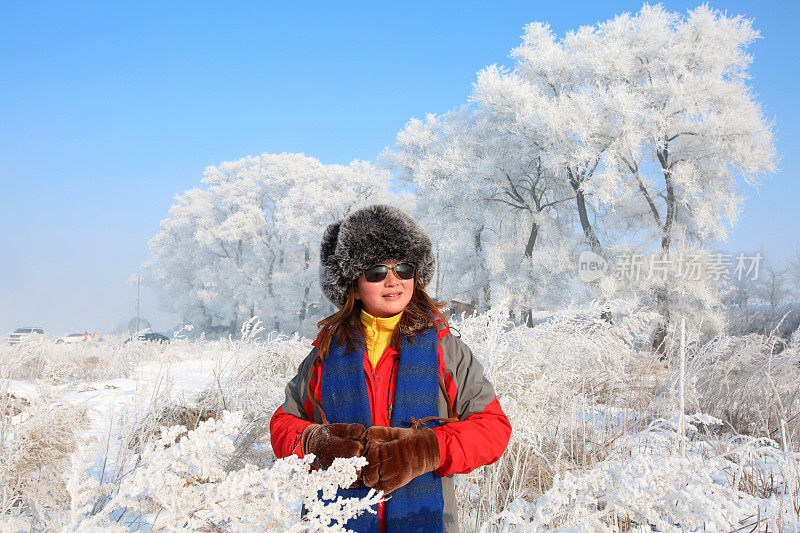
94 436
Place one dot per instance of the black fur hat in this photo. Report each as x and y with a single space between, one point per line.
365 238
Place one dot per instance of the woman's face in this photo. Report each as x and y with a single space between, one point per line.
387 297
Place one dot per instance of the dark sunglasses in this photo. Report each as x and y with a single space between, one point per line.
378 273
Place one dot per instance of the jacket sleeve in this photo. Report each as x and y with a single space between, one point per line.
296 413
482 432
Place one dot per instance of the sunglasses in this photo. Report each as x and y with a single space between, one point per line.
378 273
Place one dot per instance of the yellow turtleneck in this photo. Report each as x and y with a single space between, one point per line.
378 334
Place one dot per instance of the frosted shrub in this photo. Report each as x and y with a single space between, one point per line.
746 484
254 376
642 483
249 375
253 381
575 348
580 391
162 413
763 469
24 360
567 386
752 389
187 485
581 394
35 449
86 361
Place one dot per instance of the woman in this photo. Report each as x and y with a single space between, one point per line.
387 380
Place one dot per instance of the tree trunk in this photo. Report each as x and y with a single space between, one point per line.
662 293
662 305
304 303
487 289
583 215
527 314
271 292
528 317
531 240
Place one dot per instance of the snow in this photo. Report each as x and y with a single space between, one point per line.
104 398
22 389
584 454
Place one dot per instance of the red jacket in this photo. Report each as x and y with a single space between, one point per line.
479 437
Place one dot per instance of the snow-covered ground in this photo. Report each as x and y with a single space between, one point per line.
596 443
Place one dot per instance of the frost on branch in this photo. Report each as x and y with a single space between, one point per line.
625 136
642 482
185 485
246 242
35 447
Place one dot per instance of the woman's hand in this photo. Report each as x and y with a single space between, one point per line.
398 455
329 441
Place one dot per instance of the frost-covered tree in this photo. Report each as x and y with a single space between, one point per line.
763 302
644 122
543 106
794 270
698 121
246 243
772 286
493 206
430 155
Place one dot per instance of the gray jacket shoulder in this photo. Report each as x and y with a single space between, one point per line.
475 392
297 388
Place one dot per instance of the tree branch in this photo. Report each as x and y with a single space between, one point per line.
516 195
670 139
634 168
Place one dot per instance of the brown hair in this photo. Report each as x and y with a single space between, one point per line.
345 324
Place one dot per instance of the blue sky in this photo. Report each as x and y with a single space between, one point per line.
109 109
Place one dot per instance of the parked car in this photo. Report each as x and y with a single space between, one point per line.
25 334
149 337
71 338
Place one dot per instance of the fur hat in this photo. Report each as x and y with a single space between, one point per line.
365 238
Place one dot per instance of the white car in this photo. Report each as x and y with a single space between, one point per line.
25 334
71 338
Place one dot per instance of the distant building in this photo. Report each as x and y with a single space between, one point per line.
456 308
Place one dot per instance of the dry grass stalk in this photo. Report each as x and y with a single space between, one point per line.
166 416
35 459
12 405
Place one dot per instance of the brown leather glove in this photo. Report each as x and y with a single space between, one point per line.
329 441
398 455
